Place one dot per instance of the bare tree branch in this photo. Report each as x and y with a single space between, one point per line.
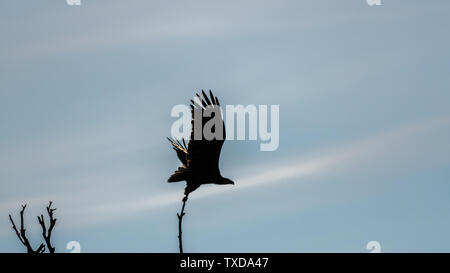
22 234
180 220
47 234
15 229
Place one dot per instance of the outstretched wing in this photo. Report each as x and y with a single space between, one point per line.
203 153
181 150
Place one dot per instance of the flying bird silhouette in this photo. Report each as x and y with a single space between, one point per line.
200 158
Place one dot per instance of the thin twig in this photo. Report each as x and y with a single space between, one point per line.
47 234
22 234
180 220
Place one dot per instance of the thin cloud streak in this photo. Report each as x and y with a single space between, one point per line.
368 148
89 214
198 22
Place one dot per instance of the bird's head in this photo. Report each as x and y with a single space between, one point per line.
225 181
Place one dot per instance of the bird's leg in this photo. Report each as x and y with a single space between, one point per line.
180 220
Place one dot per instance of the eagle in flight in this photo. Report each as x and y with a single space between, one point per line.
200 159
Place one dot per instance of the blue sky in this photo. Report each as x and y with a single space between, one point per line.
364 95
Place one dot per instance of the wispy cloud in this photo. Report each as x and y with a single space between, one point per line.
94 205
350 154
195 21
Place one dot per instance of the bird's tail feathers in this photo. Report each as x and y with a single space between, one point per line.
181 174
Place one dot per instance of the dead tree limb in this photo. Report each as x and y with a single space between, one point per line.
180 220
22 234
47 234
